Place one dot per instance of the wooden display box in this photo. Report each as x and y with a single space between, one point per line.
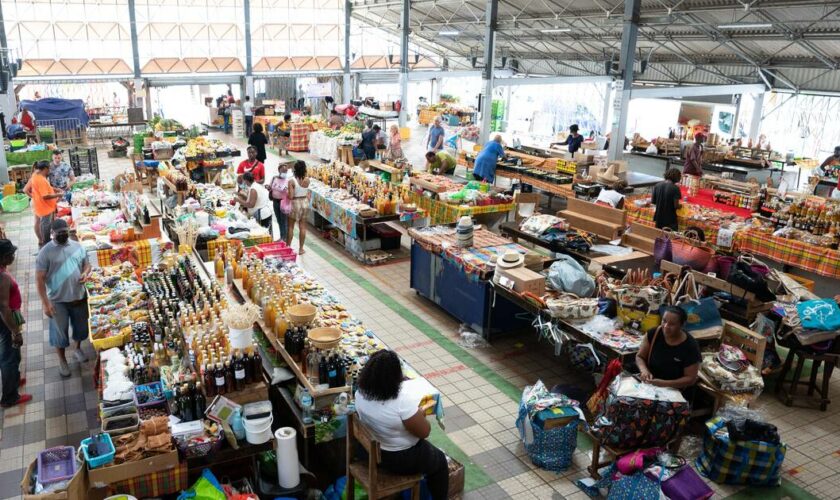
104 476
641 237
604 221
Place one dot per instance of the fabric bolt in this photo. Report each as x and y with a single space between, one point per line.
68 314
820 260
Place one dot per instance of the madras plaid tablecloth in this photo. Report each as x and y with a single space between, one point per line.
820 260
299 137
444 213
644 216
154 485
221 244
141 253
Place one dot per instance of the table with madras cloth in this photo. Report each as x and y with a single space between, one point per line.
445 213
157 484
820 260
141 253
222 243
299 137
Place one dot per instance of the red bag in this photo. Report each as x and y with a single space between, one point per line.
691 252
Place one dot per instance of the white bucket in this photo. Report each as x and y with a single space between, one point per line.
241 339
257 430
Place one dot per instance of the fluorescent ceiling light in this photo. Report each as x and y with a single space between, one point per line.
448 33
744 26
556 30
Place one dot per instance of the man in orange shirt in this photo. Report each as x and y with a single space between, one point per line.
44 199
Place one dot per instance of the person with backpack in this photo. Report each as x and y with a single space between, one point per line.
279 194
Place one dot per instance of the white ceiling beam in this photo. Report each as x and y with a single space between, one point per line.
558 80
696 91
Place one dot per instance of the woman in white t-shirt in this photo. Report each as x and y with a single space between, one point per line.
254 197
399 424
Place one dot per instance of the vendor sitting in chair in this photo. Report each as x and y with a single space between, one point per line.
669 356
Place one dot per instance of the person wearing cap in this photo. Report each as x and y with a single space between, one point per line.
11 330
44 200
573 140
62 268
694 157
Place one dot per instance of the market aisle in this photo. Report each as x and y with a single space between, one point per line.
63 410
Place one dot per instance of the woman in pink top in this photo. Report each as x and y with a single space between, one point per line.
11 330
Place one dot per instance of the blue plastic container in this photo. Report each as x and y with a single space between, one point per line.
94 462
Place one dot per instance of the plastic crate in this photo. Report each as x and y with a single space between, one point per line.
126 408
153 388
56 464
98 461
121 425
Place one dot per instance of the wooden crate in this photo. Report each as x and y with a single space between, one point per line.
606 222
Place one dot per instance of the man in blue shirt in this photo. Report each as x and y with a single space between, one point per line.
485 162
435 141
573 140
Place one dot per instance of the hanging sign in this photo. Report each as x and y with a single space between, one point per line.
319 90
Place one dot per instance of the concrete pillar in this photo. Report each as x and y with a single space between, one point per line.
755 123
605 115
347 83
621 105
406 18
8 99
737 117
491 18
135 47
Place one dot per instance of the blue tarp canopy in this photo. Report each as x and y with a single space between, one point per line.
53 108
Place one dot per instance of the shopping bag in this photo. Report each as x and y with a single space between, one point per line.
640 415
723 460
704 320
548 426
686 484
662 249
822 314
690 252
638 306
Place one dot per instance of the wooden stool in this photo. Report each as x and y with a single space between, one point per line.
377 482
788 395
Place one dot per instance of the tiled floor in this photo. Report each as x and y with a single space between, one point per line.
480 386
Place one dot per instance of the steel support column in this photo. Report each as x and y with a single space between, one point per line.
248 88
404 25
624 87
755 123
491 19
346 83
135 48
737 117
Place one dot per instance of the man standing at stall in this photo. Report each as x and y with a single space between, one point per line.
435 141
694 157
61 174
248 113
62 268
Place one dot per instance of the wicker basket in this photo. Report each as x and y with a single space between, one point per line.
193 450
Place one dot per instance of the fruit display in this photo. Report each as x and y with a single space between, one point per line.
204 148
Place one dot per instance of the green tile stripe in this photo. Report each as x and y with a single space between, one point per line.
786 490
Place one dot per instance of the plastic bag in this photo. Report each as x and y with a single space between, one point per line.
207 487
567 275
470 339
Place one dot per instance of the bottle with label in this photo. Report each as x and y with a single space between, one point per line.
219 379
238 371
312 367
323 373
200 402
306 404
230 380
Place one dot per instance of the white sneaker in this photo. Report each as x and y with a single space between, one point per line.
63 369
80 356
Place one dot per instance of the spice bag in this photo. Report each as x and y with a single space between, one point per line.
638 306
639 415
722 460
548 427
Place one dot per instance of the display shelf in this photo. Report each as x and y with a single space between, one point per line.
292 364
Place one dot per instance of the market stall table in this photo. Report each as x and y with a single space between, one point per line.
790 252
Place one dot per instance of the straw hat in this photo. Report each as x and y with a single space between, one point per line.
510 260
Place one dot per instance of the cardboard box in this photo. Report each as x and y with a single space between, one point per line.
584 158
107 475
76 488
524 280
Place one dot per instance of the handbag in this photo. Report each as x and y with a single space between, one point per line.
704 320
724 460
585 358
548 427
570 306
821 314
724 265
691 252
743 276
662 249
636 460
686 484
638 306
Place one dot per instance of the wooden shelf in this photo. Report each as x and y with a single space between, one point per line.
378 165
293 366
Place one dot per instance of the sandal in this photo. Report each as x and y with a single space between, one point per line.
23 398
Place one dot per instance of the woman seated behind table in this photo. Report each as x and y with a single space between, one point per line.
669 356
400 426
